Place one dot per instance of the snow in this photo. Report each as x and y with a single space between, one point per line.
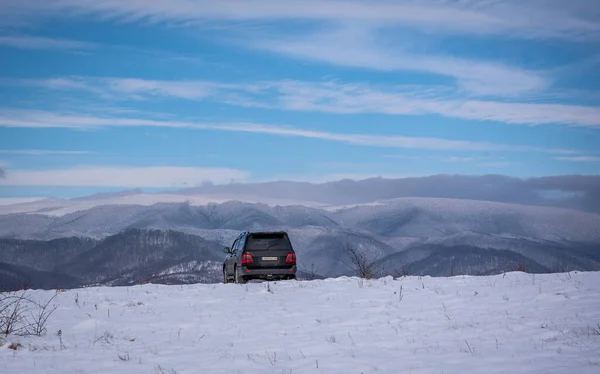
438 217
17 200
61 207
512 323
400 222
337 208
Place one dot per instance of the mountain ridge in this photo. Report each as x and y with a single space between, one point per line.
147 240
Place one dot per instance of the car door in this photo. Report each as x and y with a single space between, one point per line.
239 249
230 261
241 244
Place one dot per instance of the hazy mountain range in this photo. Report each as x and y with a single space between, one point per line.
132 237
579 192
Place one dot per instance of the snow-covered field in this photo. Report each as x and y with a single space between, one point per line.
512 323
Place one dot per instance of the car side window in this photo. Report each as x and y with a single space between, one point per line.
237 246
234 246
242 243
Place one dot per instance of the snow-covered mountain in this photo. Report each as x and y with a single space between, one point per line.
435 218
428 234
60 207
406 217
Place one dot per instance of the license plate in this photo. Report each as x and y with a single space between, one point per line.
269 258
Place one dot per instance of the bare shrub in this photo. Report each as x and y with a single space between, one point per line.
312 272
519 267
522 267
22 315
14 346
159 370
402 272
363 266
105 338
40 315
13 310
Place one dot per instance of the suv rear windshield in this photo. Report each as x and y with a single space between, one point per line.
263 242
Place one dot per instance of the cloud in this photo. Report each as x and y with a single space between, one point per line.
534 19
40 119
361 48
42 152
453 159
141 89
61 84
336 97
497 164
122 176
37 42
494 162
579 158
336 177
2 172
349 99
179 89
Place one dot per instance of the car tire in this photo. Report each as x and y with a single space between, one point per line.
239 278
225 279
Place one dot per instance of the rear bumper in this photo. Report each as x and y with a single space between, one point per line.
268 272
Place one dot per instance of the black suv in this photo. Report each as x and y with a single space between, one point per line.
259 255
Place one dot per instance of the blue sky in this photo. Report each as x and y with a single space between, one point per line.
113 95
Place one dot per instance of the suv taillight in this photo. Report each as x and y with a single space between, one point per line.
290 258
247 259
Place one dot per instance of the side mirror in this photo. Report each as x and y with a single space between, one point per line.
227 250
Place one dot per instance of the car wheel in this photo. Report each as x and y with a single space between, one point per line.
225 279
239 278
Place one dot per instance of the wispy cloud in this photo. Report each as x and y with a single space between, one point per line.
476 160
180 89
336 97
360 47
533 19
140 89
580 159
457 159
335 177
41 119
123 176
38 42
42 152
341 98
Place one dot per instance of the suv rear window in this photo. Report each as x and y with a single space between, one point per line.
263 242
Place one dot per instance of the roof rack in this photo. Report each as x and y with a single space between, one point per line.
266 232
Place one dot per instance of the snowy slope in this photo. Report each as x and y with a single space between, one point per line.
104 220
433 217
517 323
